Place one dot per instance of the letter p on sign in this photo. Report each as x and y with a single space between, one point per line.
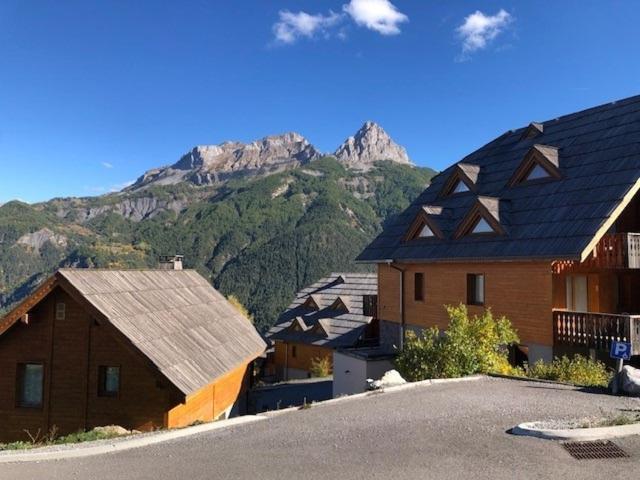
620 350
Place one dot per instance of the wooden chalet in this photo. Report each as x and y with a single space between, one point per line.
542 224
336 312
143 349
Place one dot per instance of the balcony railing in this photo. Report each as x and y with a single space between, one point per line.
618 250
595 330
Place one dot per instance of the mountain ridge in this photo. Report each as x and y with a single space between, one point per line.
214 164
298 222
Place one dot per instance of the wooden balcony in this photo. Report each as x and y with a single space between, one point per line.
618 250
595 330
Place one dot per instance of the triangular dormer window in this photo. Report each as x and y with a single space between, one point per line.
340 305
321 328
425 225
311 304
460 187
540 163
533 130
426 232
536 173
298 325
482 226
486 217
463 178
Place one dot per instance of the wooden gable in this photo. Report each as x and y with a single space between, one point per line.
533 130
321 328
312 303
425 219
540 158
340 305
21 311
463 179
484 212
298 325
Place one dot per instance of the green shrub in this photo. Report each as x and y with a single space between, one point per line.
578 370
469 345
320 367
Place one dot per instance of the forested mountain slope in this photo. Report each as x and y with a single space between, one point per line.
259 238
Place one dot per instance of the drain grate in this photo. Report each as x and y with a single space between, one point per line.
594 450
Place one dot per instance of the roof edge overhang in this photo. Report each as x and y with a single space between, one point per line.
529 259
611 219
28 303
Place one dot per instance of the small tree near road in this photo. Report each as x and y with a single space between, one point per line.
469 345
320 367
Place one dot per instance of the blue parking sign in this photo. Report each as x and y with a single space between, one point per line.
620 350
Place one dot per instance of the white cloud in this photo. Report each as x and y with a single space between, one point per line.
379 15
106 164
478 30
292 26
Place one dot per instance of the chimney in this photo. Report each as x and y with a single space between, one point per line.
171 262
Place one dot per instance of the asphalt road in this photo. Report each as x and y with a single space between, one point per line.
442 431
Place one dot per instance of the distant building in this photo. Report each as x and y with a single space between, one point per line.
336 312
541 225
143 349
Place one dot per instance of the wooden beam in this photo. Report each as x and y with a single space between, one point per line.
611 220
28 303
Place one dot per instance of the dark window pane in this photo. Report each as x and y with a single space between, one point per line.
30 384
475 289
418 280
109 381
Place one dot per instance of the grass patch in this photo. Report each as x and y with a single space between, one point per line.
38 439
578 370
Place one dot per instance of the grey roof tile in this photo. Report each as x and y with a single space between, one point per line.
190 332
343 328
599 159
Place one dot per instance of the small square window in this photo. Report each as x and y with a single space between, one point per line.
61 311
108 381
475 289
418 287
30 385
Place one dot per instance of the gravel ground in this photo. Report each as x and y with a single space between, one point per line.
455 430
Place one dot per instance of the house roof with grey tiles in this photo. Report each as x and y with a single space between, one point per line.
328 326
598 161
175 318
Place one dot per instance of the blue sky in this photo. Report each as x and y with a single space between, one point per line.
93 93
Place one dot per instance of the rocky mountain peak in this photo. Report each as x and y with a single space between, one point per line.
370 144
209 164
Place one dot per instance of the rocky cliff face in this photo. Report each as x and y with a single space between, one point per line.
370 144
210 164
213 164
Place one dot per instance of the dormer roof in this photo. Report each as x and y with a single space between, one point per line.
430 219
341 320
341 304
462 178
298 325
322 328
593 159
543 157
533 130
484 217
313 302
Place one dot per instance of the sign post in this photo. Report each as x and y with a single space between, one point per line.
620 351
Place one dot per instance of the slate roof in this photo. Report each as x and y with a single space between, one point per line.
598 158
344 329
185 327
